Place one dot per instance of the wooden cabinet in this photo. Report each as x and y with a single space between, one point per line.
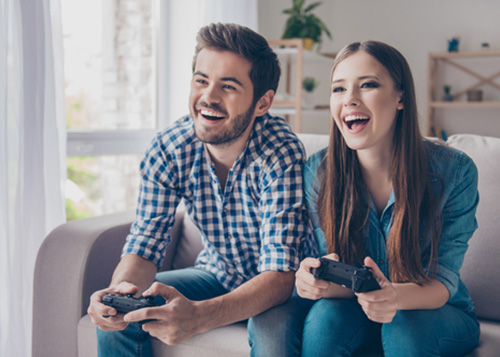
460 61
294 58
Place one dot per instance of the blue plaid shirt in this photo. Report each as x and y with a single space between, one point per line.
257 224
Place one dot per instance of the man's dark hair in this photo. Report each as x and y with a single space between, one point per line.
265 71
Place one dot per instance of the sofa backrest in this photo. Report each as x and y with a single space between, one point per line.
481 268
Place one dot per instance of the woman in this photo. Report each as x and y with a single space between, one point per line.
382 196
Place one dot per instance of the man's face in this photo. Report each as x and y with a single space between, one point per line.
221 97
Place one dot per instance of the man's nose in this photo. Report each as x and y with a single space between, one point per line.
211 94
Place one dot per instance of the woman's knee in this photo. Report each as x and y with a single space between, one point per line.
445 331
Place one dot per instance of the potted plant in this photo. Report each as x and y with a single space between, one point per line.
309 84
303 24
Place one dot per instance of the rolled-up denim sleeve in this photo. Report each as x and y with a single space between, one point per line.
311 191
459 223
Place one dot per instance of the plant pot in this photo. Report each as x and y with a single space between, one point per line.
308 43
308 100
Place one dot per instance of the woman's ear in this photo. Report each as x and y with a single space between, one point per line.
264 103
400 105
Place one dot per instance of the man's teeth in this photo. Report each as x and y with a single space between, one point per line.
211 114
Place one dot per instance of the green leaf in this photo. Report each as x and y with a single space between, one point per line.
312 6
297 4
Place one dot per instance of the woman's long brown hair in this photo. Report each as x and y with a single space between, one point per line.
342 203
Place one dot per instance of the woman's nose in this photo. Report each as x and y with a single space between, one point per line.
351 98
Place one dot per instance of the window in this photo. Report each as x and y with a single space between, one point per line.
110 55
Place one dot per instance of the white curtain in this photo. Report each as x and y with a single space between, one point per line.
32 155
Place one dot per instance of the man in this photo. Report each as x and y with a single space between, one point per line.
239 172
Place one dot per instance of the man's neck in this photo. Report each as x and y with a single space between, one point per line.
224 156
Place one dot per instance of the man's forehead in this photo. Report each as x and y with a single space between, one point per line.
223 63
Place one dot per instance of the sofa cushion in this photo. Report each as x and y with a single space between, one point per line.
313 142
481 265
189 246
225 341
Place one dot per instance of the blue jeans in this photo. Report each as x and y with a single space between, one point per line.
194 284
339 327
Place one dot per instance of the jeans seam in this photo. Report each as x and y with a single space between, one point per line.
139 341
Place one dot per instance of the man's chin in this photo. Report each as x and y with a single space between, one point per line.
215 140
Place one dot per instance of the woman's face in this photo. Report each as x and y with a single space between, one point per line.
364 103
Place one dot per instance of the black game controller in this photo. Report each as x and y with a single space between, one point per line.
359 280
127 303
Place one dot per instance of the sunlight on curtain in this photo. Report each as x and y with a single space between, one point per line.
32 148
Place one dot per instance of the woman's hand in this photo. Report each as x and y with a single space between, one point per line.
311 288
379 305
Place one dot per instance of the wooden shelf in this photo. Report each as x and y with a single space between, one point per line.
485 53
292 51
465 104
453 59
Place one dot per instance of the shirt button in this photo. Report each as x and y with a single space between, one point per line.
380 262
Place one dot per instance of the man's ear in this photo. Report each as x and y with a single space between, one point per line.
264 103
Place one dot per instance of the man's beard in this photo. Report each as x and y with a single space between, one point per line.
238 125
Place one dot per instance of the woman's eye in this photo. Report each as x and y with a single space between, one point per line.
337 89
370 85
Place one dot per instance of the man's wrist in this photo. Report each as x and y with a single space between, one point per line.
209 314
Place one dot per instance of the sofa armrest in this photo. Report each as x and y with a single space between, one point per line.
76 259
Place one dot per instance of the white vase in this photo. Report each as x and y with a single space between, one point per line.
308 100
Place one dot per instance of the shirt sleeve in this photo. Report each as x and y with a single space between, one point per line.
283 227
459 223
157 202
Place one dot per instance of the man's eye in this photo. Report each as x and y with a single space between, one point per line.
226 86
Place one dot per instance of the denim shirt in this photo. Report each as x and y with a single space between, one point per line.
453 177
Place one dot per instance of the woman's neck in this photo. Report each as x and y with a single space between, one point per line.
376 170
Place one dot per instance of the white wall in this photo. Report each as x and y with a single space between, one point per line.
415 28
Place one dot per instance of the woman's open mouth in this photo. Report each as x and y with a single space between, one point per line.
356 122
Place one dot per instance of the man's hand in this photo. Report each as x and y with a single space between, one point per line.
97 310
379 305
176 321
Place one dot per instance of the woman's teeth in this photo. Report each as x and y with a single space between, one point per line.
352 120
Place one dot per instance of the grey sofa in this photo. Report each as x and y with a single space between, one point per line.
78 258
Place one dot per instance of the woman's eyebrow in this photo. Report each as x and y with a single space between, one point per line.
359 78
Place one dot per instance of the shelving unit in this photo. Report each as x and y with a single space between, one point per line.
291 52
452 59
